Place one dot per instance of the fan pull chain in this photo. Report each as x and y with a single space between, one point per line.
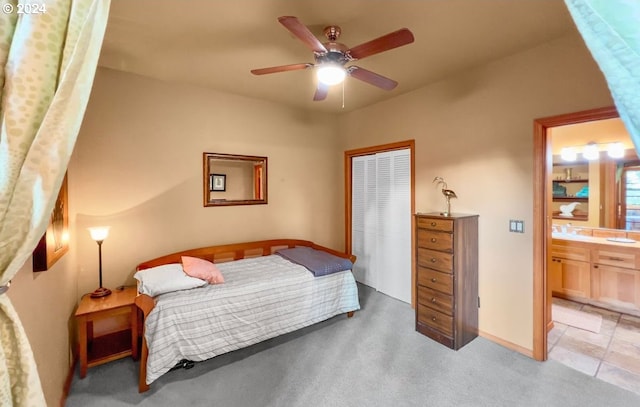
343 94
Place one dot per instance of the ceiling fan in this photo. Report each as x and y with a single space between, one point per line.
331 57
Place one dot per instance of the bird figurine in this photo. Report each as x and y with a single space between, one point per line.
448 194
567 210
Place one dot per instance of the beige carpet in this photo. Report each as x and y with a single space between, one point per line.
576 318
375 359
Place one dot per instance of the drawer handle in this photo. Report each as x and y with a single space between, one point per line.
433 280
616 258
433 240
433 260
433 300
433 223
433 318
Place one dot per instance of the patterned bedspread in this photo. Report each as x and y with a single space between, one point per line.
261 298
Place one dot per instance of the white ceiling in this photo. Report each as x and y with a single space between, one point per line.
215 43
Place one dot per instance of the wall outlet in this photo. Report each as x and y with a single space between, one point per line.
516 226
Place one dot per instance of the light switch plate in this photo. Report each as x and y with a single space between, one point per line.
516 226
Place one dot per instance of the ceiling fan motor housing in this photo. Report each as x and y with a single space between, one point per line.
336 54
332 32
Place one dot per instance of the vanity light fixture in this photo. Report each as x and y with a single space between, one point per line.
568 154
591 151
615 150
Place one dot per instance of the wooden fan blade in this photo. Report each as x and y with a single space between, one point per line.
321 92
302 32
390 41
372 78
282 68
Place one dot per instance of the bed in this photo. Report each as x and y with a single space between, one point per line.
266 293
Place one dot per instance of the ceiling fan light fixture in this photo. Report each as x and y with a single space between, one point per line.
330 74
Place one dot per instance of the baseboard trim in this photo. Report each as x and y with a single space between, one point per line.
507 344
67 383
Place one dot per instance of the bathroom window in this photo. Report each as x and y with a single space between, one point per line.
629 206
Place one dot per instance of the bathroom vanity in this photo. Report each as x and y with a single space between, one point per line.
600 267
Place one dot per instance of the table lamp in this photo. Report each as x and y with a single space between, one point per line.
99 233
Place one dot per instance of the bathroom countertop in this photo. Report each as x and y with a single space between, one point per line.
594 240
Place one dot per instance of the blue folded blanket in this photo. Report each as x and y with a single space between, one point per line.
319 262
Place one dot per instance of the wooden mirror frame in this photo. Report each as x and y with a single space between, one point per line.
259 186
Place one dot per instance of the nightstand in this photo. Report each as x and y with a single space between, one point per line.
105 348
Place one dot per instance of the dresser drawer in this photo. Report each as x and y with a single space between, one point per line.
436 320
430 239
435 280
435 300
435 260
443 225
624 259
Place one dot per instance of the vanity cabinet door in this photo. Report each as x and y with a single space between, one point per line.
570 277
616 285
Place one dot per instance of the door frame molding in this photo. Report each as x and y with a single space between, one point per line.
348 157
542 168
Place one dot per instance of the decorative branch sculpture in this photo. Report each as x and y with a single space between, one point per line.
448 194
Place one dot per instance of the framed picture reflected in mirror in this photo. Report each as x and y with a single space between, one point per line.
217 182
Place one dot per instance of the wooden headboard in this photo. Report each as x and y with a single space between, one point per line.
237 251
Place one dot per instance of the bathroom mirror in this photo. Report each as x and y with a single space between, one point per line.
230 179
602 191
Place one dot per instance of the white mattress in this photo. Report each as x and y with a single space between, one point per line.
261 298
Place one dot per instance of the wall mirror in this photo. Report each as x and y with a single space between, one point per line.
230 179
603 190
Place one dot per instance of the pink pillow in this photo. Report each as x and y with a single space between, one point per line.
202 269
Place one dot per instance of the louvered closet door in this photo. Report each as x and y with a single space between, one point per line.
393 235
381 222
363 215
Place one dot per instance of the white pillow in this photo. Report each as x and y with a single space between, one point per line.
166 278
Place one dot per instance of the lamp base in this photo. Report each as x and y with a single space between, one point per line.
100 292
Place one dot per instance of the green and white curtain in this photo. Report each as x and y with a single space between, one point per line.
611 30
48 56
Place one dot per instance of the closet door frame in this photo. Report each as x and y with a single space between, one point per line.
348 156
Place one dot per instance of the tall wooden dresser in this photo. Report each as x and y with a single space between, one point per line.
447 277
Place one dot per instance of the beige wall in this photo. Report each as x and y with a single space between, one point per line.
475 129
137 168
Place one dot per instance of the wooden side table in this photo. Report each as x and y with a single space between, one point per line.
112 346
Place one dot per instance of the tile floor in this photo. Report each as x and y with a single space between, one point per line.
612 355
